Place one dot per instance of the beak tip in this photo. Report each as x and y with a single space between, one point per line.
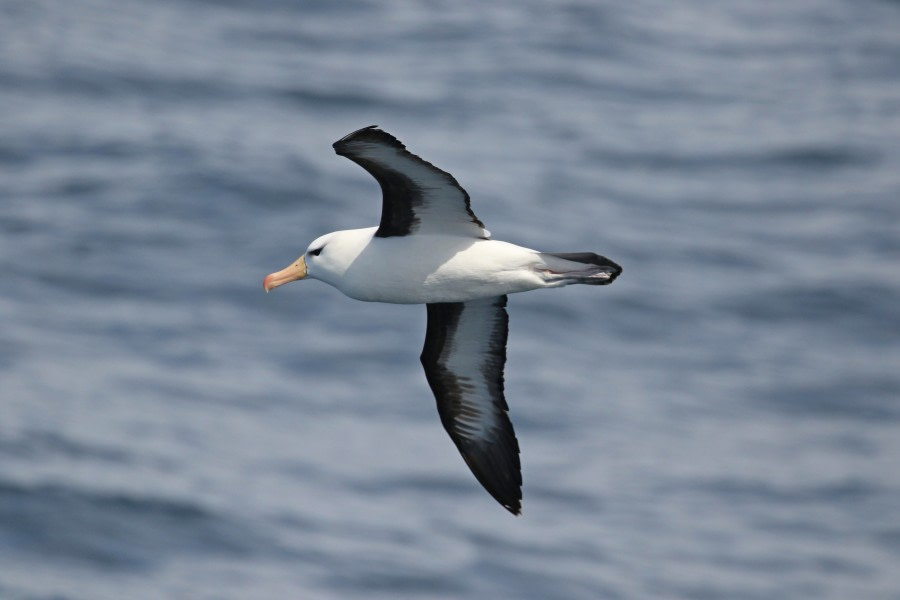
292 273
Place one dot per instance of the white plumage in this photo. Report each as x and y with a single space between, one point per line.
431 249
425 268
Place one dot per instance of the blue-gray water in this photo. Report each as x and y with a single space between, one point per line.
723 422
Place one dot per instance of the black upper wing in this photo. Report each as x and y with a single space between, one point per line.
417 197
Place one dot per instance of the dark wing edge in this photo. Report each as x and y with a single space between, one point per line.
463 357
400 195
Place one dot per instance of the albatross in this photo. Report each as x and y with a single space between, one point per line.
431 249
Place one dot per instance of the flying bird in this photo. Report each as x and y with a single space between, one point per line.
430 248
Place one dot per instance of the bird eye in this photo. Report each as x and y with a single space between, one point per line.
316 252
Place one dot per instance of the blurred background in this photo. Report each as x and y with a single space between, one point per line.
722 423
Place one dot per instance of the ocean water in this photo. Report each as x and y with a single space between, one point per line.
721 423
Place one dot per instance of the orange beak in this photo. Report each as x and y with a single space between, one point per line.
292 273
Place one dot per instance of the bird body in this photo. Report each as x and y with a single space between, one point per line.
431 249
428 268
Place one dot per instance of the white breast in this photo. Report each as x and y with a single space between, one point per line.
421 269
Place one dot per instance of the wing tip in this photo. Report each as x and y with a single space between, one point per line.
371 134
350 135
499 473
512 502
515 508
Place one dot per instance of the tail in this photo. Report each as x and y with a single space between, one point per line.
580 267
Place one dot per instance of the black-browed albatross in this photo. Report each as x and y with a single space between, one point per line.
430 248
